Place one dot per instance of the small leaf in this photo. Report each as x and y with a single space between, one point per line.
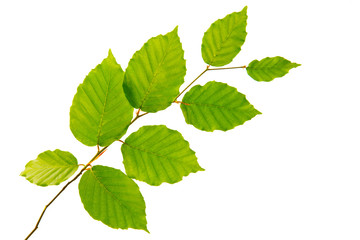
216 106
268 68
100 113
50 168
223 40
156 154
113 198
155 73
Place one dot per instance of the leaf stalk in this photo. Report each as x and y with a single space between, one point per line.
207 69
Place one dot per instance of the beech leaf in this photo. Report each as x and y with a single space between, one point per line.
224 39
216 106
100 113
157 154
268 68
113 198
50 168
155 73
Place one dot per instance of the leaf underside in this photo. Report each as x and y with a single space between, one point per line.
100 113
216 106
50 168
156 154
268 68
155 73
224 39
113 198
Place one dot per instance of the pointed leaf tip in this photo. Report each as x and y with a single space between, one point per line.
110 55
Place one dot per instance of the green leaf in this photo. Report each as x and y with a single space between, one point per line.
268 68
156 154
155 73
50 168
223 40
100 113
216 106
113 198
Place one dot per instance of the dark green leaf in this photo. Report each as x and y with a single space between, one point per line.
216 106
156 154
50 168
268 68
100 113
223 40
155 73
113 198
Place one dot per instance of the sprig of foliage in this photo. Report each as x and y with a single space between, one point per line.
110 100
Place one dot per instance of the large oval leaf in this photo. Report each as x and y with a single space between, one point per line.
216 106
50 168
223 40
100 113
113 198
155 73
268 68
156 154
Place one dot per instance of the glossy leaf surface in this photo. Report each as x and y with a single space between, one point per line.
216 106
268 68
113 198
224 39
50 168
155 73
156 154
100 113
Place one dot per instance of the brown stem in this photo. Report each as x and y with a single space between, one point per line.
138 115
226 68
180 102
98 154
207 68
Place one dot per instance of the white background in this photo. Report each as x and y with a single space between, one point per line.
291 173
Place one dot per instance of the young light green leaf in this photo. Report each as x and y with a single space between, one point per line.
268 68
100 113
50 168
223 40
155 73
216 106
156 154
113 198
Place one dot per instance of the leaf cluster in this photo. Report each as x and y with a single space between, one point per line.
110 99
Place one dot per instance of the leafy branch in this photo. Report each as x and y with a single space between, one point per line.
110 100
97 155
